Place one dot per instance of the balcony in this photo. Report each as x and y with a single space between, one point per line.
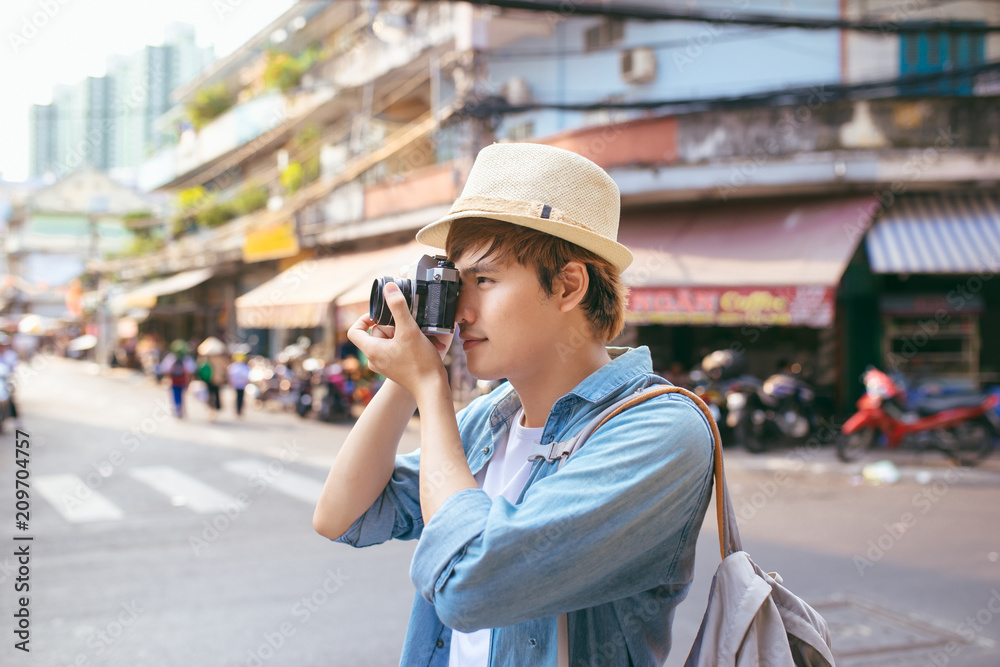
821 146
237 127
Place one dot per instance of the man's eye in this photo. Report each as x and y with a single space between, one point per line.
481 280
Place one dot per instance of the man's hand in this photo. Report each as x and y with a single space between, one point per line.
402 353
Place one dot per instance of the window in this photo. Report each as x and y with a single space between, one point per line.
521 131
933 52
606 33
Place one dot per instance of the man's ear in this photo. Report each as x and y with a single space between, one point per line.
571 285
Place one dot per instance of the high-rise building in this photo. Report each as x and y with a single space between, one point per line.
108 122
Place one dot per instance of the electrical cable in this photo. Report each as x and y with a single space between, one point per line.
568 8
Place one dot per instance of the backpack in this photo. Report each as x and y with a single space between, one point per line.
178 374
751 619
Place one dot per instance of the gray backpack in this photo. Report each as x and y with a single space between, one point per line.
751 618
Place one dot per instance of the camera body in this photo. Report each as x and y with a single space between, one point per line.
431 293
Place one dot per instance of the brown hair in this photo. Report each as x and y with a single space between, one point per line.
604 304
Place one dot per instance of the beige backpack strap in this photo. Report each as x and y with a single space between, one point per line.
729 538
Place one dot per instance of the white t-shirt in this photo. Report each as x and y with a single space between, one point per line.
504 475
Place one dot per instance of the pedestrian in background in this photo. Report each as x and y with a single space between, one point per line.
239 377
9 359
179 367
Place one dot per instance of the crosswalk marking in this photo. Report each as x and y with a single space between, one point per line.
277 477
184 490
74 500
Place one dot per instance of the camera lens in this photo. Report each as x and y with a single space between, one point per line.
378 309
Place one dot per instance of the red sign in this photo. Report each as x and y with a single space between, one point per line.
772 306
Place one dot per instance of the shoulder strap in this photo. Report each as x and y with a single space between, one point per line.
729 536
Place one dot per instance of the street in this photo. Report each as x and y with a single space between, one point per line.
162 542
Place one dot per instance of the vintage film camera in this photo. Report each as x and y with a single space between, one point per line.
431 292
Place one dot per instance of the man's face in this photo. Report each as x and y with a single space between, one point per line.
506 323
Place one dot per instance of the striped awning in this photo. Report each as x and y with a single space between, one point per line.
937 233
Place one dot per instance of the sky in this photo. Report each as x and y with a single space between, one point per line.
48 42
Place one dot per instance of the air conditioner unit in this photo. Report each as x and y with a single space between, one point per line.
517 92
638 65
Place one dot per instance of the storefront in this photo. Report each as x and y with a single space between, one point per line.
322 297
759 277
936 258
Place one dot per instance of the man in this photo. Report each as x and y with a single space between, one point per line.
522 561
239 377
179 367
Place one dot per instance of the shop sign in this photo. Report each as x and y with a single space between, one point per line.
271 242
917 305
810 306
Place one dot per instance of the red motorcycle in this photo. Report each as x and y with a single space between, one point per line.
965 427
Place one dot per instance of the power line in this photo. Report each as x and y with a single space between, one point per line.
567 8
670 43
895 87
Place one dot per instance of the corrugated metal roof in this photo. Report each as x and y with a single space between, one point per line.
937 233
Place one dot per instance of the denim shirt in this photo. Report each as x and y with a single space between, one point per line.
608 539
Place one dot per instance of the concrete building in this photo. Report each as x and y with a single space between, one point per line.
59 228
108 122
777 183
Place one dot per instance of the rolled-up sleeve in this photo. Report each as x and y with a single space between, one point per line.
395 514
619 518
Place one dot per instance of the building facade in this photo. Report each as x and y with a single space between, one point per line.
763 169
108 122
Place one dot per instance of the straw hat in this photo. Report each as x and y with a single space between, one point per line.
544 188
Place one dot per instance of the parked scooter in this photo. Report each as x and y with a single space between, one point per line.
336 403
720 372
966 428
304 383
781 409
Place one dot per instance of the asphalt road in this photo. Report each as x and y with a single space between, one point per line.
162 542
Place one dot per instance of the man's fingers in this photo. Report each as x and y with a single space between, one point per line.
397 304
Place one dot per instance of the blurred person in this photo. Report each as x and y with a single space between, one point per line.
239 377
180 368
10 360
212 371
522 561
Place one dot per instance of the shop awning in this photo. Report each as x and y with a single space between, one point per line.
145 295
937 233
767 263
301 295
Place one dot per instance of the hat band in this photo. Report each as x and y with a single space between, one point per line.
531 209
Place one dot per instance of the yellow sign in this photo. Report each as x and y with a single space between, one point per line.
272 242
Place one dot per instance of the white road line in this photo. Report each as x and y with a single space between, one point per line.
277 477
76 501
183 490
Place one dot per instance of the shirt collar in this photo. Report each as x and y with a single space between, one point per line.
626 364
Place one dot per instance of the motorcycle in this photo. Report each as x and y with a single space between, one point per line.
336 403
303 384
965 428
718 376
783 407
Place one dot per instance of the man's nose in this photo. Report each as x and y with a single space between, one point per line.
464 311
